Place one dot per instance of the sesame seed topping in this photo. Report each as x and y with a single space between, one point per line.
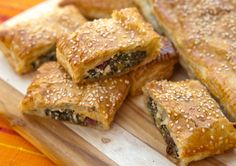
58 89
123 32
189 107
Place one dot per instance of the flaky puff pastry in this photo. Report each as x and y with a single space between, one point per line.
205 36
147 9
159 69
108 47
190 120
29 43
93 9
53 94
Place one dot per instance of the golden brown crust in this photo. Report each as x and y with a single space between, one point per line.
25 42
53 89
98 41
205 36
195 121
159 69
99 8
147 9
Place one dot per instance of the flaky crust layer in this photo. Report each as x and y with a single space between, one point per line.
52 88
195 121
205 36
25 42
159 69
99 8
98 41
147 9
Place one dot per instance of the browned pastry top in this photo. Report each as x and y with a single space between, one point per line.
203 22
188 103
204 31
192 114
29 36
52 88
99 8
126 30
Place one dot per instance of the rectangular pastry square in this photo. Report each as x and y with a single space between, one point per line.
53 94
108 47
31 42
205 36
160 68
189 119
93 9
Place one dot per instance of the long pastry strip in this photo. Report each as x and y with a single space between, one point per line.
204 34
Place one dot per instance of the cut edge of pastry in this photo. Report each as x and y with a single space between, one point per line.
160 118
66 64
101 69
71 114
120 64
161 68
23 66
75 114
156 71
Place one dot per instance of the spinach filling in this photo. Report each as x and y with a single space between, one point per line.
51 56
171 148
120 63
71 116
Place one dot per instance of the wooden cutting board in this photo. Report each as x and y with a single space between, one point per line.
132 141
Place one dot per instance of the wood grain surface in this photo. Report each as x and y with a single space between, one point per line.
133 139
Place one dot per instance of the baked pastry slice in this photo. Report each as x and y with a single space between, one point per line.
189 119
159 69
53 94
29 43
93 9
205 36
108 47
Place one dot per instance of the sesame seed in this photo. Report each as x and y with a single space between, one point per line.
222 126
126 81
203 130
